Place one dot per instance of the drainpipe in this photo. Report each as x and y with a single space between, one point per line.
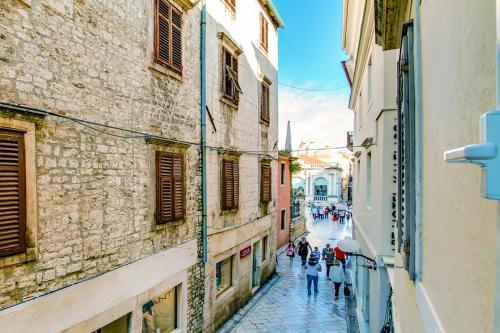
203 103
418 146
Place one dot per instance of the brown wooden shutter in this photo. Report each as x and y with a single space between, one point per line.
227 184
162 32
264 104
168 35
12 193
170 187
178 180
176 39
264 31
236 184
227 82
231 4
265 196
266 35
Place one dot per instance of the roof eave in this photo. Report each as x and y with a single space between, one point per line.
273 13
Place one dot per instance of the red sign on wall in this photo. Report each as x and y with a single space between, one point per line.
246 251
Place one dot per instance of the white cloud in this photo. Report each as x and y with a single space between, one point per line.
320 117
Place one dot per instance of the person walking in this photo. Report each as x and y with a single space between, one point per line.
312 270
313 211
316 254
290 251
329 261
319 213
303 250
335 217
340 256
327 211
338 276
342 215
325 250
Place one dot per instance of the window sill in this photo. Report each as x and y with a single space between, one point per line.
161 226
164 70
20 258
223 296
229 102
229 211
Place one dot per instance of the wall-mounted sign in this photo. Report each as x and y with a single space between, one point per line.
246 251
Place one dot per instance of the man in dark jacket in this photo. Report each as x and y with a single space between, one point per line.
303 251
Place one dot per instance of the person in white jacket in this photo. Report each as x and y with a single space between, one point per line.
337 276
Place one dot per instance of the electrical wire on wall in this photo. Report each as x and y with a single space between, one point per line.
105 129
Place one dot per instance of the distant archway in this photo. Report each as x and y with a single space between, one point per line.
320 186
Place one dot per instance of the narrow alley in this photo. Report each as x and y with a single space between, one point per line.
282 305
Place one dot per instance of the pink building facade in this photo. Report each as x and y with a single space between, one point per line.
284 200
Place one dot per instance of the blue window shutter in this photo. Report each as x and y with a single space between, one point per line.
406 151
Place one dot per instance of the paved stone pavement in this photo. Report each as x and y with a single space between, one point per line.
284 306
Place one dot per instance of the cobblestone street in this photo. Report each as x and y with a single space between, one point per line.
283 305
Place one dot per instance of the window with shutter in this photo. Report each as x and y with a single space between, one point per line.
12 193
265 183
264 33
230 85
168 35
170 187
264 103
230 184
406 195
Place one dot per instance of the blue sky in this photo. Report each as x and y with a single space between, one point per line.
310 46
310 52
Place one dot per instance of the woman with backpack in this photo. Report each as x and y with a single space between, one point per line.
312 271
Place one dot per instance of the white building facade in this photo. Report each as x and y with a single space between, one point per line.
432 233
372 73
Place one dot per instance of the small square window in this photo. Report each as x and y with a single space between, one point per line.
265 240
121 325
283 173
223 275
283 219
160 313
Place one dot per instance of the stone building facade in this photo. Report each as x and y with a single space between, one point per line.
242 106
100 107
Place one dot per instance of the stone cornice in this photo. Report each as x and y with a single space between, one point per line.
229 41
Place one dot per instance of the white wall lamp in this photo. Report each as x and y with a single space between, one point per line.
350 246
485 154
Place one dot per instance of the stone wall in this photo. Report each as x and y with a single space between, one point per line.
95 186
298 226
